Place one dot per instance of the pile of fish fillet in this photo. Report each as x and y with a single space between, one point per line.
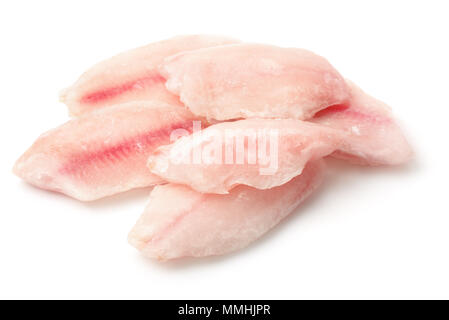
124 110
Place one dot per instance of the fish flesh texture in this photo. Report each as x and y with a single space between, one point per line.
103 152
254 81
132 75
198 224
261 153
374 138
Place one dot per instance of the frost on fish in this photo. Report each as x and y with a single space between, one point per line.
131 75
261 153
180 222
374 138
102 153
254 81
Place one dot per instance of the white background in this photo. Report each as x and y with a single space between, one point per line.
368 233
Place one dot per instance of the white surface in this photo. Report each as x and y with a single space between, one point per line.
368 233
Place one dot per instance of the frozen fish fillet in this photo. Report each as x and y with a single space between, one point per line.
104 152
180 222
261 153
132 75
374 138
254 81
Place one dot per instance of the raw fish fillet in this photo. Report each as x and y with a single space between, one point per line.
254 81
132 75
261 153
104 152
179 222
374 138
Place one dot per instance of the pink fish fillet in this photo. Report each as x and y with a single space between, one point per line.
180 222
261 153
374 138
132 75
254 81
104 152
